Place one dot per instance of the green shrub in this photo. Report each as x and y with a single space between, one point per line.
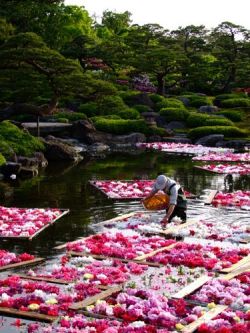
121 126
231 114
197 120
169 103
21 142
2 159
156 131
62 120
156 98
227 131
196 100
70 116
129 113
128 96
174 114
110 116
219 98
235 102
142 108
90 109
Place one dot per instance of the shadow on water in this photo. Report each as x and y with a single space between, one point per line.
66 186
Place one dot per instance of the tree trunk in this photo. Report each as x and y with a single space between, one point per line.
160 84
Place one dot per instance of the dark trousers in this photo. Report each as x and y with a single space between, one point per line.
180 212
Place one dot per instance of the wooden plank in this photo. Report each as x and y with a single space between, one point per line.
45 279
91 300
237 265
150 254
65 212
26 314
204 319
99 316
235 273
22 264
210 197
192 286
63 246
179 227
117 219
100 257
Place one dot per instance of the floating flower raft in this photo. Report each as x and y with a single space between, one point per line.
223 157
242 169
27 222
126 189
238 198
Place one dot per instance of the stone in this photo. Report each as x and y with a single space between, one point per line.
59 151
131 138
184 100
178 139
208 109
236 144
98 148
175 125
210 140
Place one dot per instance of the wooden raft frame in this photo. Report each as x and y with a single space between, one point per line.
91 300
220 173
152 253
210 197
22 264
27 315
64 212
234 267
192 286
100 257
204 319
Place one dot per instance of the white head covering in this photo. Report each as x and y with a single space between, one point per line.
161 182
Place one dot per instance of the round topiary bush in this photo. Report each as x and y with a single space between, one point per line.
169 103
235 102
128 113
155 98
174 114
142 108
90 109
121 126
219 98
231 114
198 119
70 116
227 131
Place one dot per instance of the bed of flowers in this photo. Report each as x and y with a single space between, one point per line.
242 169
219 230
144 305
41 297
234 293
223 157
228 321
80 323
131 189
25 222
166 280
185 148
196 255
126 244
8 258
239 198
105 272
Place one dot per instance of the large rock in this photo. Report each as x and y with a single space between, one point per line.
85 131
177 139
175 125
210 140
236 144
129 139
208 109
58 151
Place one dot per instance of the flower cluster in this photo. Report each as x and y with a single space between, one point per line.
24 222
142 83
41 297
185 148
242 169
121 244
7 258
196 255
225 157
233 293
228 322
106 272
143 305
238 198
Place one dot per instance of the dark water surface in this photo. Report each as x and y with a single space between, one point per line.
66 186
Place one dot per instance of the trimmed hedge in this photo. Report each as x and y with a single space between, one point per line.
155 98
128 96
70 116
219 98
2 159
235 102
227 131
196 100
174 114
142 108
129 113
121 126
110 116
90 109
231 114
169 103
197 120
14 139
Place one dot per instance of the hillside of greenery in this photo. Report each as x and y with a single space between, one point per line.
58 63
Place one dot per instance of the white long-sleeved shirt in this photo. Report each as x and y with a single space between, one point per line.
173 192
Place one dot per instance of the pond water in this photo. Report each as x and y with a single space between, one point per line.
66 186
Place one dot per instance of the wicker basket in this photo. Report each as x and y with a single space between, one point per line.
158 202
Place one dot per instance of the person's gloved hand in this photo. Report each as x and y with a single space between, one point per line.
164 221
